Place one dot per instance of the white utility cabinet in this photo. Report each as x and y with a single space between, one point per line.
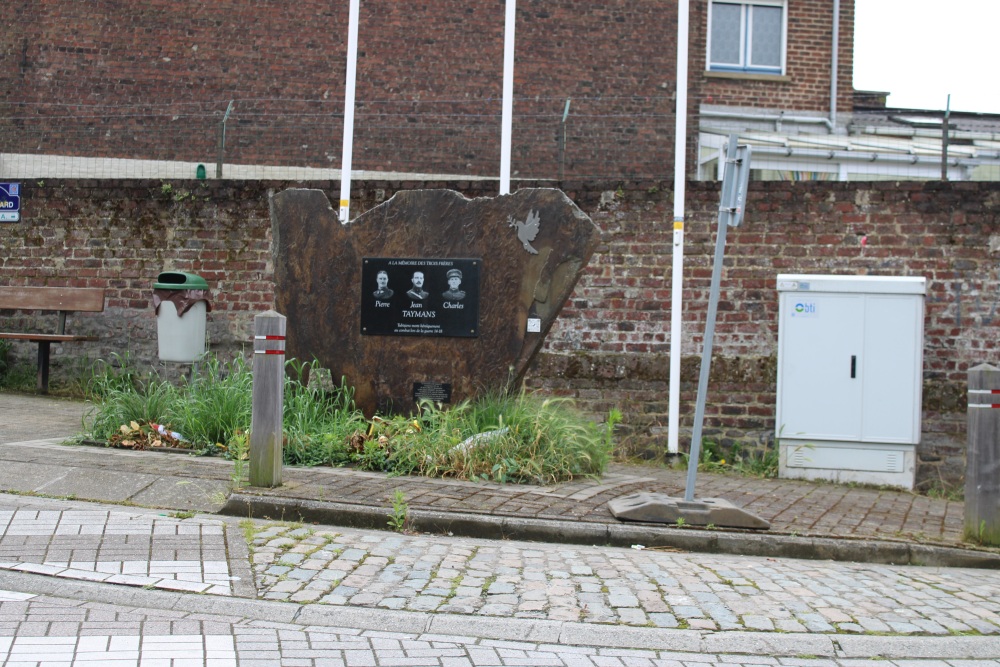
850 377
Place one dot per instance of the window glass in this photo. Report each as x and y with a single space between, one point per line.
726 31
765 36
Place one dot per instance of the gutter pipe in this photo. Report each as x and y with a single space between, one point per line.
834 60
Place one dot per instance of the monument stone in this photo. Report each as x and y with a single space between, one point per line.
428 295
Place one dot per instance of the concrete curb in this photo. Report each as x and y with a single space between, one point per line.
450 627
620 535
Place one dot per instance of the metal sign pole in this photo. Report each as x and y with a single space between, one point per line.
662 508
730 214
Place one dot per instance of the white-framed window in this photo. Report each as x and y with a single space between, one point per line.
747 36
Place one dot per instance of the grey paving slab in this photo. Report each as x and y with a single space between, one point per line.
901 648
108 485
27 417
203 495
25 477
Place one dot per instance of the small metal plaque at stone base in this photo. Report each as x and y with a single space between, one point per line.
661 508
436 392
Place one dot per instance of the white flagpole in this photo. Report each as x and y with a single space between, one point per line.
677 278
508 97
352 66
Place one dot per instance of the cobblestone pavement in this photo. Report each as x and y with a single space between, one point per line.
638 587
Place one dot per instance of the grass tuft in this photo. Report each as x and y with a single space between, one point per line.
501 437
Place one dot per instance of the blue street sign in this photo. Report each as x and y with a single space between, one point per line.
10 202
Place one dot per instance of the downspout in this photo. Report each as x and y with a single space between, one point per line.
833 66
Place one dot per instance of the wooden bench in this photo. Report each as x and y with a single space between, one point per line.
50 299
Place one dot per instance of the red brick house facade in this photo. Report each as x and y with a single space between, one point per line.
153 80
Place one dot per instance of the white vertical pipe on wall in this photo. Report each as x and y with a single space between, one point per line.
834 62
508 96
352 67
677 278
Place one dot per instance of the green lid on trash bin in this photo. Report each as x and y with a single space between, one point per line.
179 280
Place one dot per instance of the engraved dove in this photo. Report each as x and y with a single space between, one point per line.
527 230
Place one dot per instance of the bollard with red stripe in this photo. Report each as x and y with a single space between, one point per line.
987 394
982 456
280 351
266 430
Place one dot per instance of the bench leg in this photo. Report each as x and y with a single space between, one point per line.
43 366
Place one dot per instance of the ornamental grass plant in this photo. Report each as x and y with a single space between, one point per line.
503 437
207 409
120 397
318 423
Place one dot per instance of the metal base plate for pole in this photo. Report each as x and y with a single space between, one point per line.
661 508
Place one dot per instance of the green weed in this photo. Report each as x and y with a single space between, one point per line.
215 403
238 451
977 535
756 462
939 490
318 423
399 517
501 437
752 462
121 397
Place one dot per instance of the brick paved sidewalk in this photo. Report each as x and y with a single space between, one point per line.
117 547
792 507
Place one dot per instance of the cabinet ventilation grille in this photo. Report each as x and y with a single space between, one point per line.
873 460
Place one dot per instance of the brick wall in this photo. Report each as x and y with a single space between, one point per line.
806 84
610 346
155 79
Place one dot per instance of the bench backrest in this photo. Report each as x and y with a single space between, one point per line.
72 299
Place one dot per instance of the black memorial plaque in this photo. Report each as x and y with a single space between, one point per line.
420 297
436 392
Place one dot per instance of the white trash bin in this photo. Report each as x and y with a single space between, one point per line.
181 304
